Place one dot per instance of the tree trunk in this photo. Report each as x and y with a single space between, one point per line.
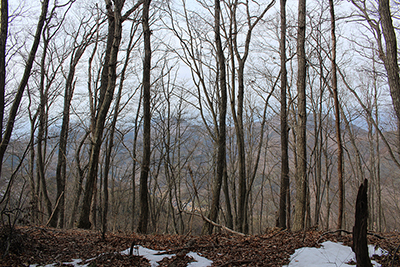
24 81
79 180
134 146
360 247
337 118
390 60
3 44
241 222
301 171
221 145
145 169
115 30
284 127
34 186
41 135
62 150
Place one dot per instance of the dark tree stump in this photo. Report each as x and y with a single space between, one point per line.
360 246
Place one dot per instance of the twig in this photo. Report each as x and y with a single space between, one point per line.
217 225
394 254
55 207
186 248
376 235
237 262
346 232
333 232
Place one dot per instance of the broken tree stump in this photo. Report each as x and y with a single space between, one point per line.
360 246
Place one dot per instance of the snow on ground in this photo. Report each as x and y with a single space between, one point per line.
328 255
149 254
199 260
153 258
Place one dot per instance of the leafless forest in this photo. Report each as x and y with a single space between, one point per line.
183 116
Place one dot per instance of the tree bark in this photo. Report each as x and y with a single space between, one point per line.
145 168
360 247
42 129
115 30
134 147
221 145
337 118
24 81
80 174
3 44
111 136
301 171
390 60
62 150
34 203
242 222
284 127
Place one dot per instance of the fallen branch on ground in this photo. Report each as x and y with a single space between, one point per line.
346 232
217 225
237 263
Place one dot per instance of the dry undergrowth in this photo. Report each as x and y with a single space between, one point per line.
40 245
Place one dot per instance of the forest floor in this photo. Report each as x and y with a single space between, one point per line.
41 245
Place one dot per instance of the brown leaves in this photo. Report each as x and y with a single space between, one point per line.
38 245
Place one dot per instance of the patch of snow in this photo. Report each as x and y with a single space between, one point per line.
199 260
149 254
153 258
74 262
328 255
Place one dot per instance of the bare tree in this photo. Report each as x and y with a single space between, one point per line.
145 168
284 190
221 143
76 53
80 175
5 139
108 81
48 89
390 58
112 129
301 142
237 108
3 43
337 117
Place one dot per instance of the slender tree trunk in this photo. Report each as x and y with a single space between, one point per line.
284 190
115 30
319 136
79 181
24 81
41 136
34 196
301 171
241 152
241 222
3 44
337 118
111 136
225 188
62 151
145 169
390 60
221 145
136 133
105 178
